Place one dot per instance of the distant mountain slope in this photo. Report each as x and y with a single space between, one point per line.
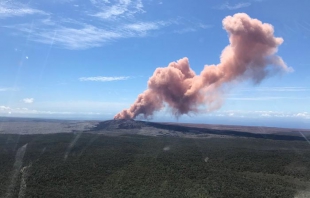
199 129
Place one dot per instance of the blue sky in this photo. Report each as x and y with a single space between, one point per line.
90 59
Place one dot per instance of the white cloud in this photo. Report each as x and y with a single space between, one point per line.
3 108
143 26
227 6
28 100
2 89
87 31
66 108
77 38
84 36
192 28
121 8
260 114
13 9
26 111
104 78
305 115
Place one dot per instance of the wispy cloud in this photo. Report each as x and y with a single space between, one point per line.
76 34
13 9
4 108
120 8
87 31
144 26
227 6
192 27
305 115
84 36
28 100
76 38
261 114
104 78
72 108
3 89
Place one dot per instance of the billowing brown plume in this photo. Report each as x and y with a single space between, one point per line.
250 55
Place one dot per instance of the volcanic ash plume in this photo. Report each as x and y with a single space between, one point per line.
249 56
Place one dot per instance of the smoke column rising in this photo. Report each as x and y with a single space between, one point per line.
249 56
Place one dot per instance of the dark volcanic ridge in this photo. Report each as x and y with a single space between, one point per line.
120 124
200 130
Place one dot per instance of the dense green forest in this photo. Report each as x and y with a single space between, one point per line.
92 165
